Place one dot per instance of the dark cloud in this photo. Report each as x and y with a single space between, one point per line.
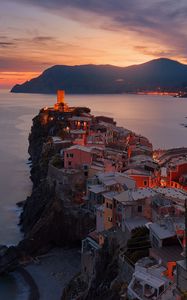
35 39
127 12
9 64
163 21
6 44
43 39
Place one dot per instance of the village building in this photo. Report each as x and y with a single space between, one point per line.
142 177
77 157
89 255
181 279
149 282
133 209
106 182
173 171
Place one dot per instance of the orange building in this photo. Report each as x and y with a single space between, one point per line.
177 176
109 210
143 178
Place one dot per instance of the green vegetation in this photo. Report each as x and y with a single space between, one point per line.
57 161
138 245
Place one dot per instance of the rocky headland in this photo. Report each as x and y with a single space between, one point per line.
48 219
71 154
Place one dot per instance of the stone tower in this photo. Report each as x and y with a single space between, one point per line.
60 96
61 105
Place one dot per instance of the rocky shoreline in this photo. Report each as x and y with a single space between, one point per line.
33 288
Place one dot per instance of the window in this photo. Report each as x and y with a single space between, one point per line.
69 163
139 208
71 155
161 289
110 206
145 182
67 154
109 219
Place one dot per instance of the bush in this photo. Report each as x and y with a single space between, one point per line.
57 161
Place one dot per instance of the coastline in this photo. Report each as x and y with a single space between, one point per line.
46 277
33 292
50 275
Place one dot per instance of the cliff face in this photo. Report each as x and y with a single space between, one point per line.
46 220
106 272
50 224
106 282
37 138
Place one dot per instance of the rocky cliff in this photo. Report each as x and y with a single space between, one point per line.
46 220
107 283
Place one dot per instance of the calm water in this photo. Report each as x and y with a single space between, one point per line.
156 117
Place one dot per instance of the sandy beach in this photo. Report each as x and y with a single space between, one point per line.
52 272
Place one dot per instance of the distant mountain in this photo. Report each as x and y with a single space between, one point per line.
159 74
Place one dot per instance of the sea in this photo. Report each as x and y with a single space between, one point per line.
160 118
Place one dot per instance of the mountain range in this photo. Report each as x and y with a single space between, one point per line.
156 75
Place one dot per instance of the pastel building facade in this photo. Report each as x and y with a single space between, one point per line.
142 177
77 157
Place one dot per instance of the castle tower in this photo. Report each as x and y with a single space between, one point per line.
61 105
60 96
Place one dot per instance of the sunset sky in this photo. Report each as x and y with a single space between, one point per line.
36 34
